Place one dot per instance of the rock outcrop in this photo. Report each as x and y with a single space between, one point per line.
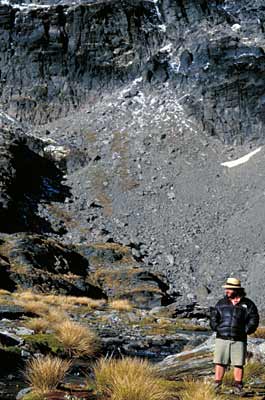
55 57
71 51
97 271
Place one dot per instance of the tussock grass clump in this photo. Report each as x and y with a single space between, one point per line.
44 374
34 307
38 325
130 379
121 305
198 390
78 340
60 300
55 316
28 300
252 370
84 301
26 295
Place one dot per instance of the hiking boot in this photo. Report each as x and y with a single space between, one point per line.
239 391
217 386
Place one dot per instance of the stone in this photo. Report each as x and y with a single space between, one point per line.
198 362
22 393
12 312
23 331
9 339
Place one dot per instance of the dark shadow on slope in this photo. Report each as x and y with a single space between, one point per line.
37 180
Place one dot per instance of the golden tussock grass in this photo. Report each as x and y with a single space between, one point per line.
84 301
76 339
26 295
198 390
38 325
121 305
44 374
62 301
252 370
32 306
130 379
55 316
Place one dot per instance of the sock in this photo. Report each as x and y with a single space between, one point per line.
238 384
218 381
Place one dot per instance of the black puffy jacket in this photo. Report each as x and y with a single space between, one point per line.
234 321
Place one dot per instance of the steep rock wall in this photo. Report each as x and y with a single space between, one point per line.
56 57
53 57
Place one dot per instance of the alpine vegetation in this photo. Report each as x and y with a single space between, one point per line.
45 374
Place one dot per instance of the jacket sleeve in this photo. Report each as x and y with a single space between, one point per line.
214 318
252 319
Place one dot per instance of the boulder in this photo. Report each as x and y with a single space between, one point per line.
9 339
199 361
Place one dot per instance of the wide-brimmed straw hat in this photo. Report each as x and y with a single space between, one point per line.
232 283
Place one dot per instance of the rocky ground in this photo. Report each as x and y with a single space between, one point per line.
156 334
180 345
151 334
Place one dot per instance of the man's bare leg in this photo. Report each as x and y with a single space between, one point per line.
219 372
238 374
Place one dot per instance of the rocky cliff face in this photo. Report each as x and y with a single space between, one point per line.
57 55
129 108
53 57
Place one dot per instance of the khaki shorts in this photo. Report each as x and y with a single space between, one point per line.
229 352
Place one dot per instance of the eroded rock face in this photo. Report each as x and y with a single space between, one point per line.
57 56
71 50
27 179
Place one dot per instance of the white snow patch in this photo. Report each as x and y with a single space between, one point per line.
127 89
58 152
137 80
175 66
140 98
235 27
24 6
4 115
167 48
247 55
241 160
162 27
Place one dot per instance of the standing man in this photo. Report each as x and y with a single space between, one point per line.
233 318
